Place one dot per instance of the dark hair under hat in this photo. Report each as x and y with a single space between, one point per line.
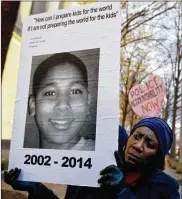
161 129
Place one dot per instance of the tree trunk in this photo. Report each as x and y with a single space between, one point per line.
166 110
180 156
132 119
124 111
173 148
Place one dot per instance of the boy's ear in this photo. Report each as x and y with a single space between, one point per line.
89 98
88 102
31 105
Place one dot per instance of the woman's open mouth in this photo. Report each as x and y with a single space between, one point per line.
134 158
61 124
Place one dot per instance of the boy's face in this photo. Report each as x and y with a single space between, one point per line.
61 104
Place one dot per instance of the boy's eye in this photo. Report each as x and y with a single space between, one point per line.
76 91
49 93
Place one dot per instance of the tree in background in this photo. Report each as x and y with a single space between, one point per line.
176 71
151 36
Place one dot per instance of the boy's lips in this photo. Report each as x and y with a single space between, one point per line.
63 123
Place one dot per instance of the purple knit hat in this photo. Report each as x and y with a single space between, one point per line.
161 129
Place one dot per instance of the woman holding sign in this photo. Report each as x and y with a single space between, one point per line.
138 173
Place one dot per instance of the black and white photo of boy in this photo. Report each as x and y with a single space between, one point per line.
60 102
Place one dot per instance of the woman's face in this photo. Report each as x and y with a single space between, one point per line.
61 104
142 145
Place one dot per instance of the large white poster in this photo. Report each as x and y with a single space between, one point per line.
66 116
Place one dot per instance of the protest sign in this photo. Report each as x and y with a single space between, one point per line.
147 99
65 126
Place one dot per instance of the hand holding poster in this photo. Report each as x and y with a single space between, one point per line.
67 125
146 99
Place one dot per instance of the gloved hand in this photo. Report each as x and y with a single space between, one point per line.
112 176
11 179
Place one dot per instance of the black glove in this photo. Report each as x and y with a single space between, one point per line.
112 176
11 179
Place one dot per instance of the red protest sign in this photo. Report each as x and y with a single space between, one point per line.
147 99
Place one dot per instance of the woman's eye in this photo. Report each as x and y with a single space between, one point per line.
49 93
76 91
137 137
150 145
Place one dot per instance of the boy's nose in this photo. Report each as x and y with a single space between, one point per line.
62 104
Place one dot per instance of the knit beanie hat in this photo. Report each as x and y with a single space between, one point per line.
161 130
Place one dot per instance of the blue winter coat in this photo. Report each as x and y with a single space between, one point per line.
158 186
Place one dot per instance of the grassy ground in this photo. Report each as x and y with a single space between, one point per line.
9 193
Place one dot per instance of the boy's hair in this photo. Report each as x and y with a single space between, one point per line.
55 60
